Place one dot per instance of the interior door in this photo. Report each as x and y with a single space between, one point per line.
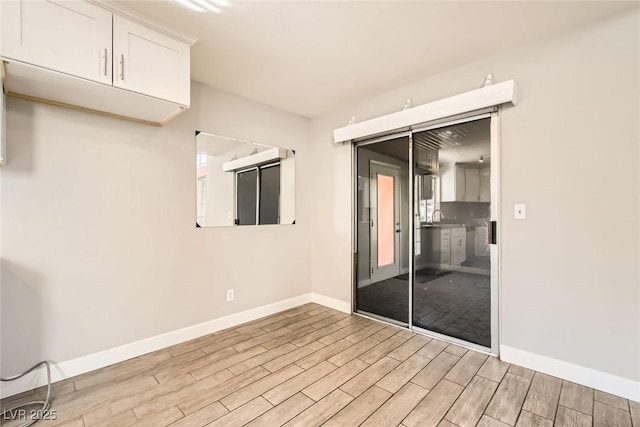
65 36
150 63
385 224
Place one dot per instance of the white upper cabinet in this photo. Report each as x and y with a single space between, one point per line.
485 184
472 185
460 184
150 63
97 57
427 159
73 37
452 179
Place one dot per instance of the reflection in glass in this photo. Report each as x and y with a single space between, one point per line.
270 194
246 194
243 183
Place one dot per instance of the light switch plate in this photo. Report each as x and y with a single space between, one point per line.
520 211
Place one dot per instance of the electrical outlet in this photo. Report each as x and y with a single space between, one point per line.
520 211
229 295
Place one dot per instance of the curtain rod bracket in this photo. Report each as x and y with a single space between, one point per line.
488 81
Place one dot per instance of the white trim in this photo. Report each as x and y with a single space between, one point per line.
334 303
260 158
118 9
90 362
388 271
598 380
489 96
495 253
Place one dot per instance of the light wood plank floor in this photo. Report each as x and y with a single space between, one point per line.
312 366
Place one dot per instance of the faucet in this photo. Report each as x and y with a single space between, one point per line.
433 215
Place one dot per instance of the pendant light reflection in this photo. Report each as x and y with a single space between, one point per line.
204 6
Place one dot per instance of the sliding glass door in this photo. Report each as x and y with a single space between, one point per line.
424 230
452 182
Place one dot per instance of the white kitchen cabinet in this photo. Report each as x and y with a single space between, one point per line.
458 245
472 185
95 57
427 159
437 243
150 63
452 179
73 37
461 184
485 184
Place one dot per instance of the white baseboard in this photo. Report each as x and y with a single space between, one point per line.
91 362
336 304
598 380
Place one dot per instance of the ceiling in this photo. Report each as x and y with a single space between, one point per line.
311 57
460 143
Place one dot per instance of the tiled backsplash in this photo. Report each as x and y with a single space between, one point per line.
469 213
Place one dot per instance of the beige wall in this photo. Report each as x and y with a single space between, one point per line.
99 248
98 240
570 151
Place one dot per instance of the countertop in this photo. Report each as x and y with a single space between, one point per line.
440 225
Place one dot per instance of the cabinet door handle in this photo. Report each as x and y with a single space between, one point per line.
104 58
122 66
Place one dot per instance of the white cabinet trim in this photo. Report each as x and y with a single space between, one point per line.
140 19
489 96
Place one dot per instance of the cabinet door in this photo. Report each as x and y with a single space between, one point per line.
73 37
447 183
150 63
485 185
462 248
427 159
472 183
461 195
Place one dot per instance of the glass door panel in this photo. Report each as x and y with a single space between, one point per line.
382 228
386 224
451 292
247 193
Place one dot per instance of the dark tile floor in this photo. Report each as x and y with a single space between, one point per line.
455 304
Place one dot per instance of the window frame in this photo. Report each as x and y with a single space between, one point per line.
259 169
